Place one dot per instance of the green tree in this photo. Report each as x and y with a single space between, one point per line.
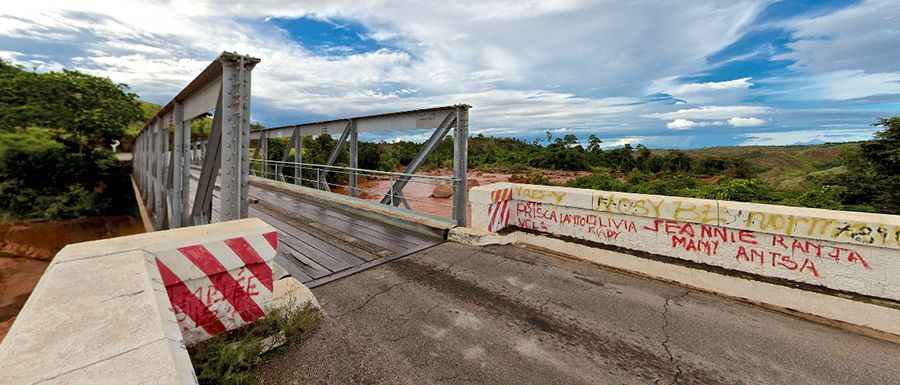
54 132
90 111
594 143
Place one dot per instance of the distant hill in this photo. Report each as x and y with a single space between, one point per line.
783 167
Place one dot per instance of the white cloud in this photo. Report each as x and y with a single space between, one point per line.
807 137
513 60
746 122
712 112
742 83
836 85
681 124
860 37
728 91
851 53
622 142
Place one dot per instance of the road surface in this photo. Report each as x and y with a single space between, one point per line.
454 314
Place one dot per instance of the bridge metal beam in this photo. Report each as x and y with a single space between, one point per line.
461 165
164 173
298 156
322 179
441 119
354 157
394 195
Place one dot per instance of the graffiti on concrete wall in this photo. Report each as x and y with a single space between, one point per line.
539 195
820 262
727 214
875 234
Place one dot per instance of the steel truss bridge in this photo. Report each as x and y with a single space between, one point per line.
334 219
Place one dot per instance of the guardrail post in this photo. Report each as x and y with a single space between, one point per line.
298 157
460 164
159 157
354 157
181 168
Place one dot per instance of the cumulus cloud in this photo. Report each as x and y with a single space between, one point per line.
681 124
746 122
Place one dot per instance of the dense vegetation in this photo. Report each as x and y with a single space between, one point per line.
55 132
845 176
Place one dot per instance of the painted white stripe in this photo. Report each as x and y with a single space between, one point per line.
261 245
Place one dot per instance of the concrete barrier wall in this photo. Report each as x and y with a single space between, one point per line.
120 310
847 251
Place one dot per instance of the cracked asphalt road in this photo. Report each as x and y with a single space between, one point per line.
454 314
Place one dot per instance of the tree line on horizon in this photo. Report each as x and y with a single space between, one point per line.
867 178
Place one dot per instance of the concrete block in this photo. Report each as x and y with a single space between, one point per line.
290 292
85 315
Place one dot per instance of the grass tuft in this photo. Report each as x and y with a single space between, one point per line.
232 358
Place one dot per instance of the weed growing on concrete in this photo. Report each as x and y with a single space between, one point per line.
232 358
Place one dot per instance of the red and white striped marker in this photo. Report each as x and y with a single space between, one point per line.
220 285
499 209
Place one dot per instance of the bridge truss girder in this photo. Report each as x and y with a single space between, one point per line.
441 119
163 174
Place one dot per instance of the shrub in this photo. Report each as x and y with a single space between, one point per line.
741 190
823 197
231 358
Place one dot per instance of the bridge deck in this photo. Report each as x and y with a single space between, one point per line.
320 243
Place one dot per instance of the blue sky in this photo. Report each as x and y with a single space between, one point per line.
664 74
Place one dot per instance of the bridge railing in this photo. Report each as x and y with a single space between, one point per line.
430 194
441 119
163 150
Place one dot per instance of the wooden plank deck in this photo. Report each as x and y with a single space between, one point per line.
320 243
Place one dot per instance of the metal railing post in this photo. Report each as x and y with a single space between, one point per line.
354 157
298 157
460 165
235 159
